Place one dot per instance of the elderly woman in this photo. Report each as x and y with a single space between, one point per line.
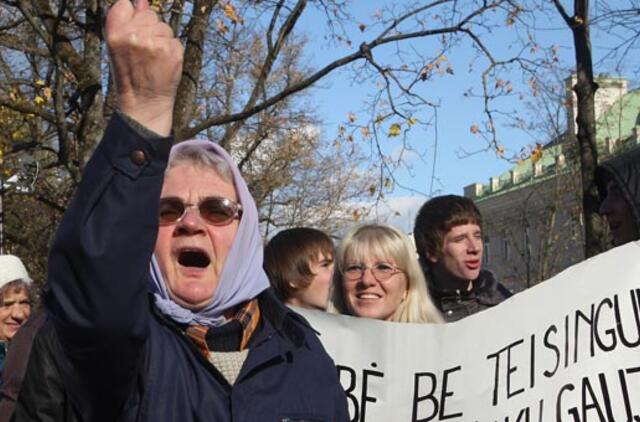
209 342
15 300
378 276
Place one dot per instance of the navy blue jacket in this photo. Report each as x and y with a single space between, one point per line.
123 360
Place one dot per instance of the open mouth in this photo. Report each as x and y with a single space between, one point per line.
193 258
473 264
368 296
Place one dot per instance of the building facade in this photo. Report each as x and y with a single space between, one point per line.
532 213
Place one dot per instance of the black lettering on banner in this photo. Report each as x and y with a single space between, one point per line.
625 392
586 406
437 408
524 415
496 374
609 331
430 396
366 373
351 373
511 370
532 360
446 393
620 325
595 401
566 387
606 398
540 410
566 341
548 345
576 341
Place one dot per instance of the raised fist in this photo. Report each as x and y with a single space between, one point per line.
146 61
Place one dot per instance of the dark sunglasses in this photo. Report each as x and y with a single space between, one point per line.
214 210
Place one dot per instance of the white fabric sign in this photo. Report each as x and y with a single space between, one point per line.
565 350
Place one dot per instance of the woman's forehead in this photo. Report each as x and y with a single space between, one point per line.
368 253
187 180
15 293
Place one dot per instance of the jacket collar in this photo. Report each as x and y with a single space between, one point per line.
484 282
281 319
276 318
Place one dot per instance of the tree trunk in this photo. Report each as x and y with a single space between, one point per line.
194 51
585 90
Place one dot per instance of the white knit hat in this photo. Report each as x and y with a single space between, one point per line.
11 268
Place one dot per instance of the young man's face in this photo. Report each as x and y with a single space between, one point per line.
316 296
619 215
461 253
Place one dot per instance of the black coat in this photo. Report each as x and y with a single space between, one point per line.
486 292
16 363
43 397
121 359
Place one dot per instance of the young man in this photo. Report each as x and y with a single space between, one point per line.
619 187
448 235
299 264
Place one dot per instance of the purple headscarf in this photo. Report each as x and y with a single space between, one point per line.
242 276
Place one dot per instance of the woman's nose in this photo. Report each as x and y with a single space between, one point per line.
18 312
191 222
367 277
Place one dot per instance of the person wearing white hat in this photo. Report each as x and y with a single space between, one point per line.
15 300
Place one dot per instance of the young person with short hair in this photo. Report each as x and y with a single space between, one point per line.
448 236
299 264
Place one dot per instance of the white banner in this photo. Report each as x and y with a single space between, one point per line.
565 350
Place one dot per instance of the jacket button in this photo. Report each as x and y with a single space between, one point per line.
138 157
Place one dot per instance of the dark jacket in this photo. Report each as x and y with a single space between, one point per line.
16 363
121 360
624 170
457 304
43 397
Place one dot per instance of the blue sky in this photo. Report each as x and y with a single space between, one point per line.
337 95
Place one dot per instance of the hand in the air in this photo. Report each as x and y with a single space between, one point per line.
146 60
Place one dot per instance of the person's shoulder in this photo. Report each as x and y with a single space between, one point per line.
45 339
491 289
286 321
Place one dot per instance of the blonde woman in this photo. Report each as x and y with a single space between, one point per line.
378 276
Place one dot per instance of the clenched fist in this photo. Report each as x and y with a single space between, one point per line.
146 60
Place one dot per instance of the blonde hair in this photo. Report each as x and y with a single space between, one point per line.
384 241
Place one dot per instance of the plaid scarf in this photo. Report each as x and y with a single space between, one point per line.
247 315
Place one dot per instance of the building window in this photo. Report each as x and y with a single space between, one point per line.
505 250
485 255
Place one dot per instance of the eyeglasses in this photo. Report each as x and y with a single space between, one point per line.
214 210
381 271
